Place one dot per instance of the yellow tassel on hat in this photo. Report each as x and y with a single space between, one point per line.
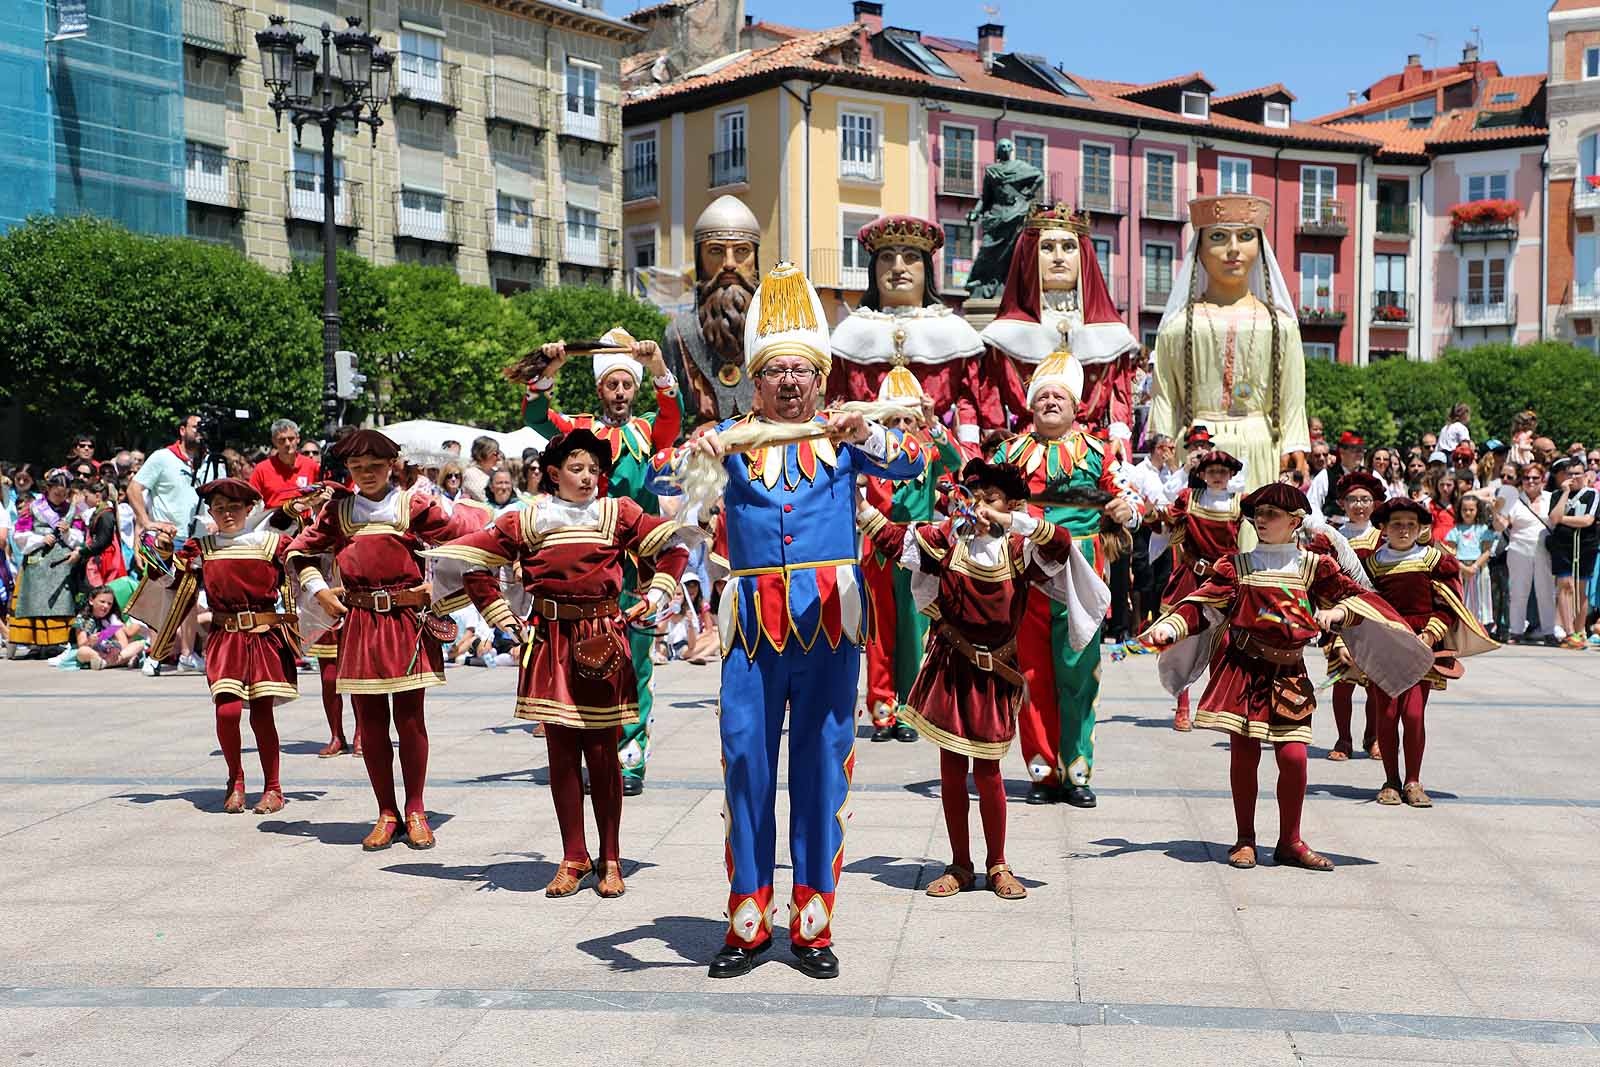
900 385
785 302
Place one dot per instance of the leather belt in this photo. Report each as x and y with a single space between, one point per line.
997 661
384 601
547 608
1248 644
235 622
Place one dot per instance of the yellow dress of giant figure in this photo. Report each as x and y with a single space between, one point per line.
1228 353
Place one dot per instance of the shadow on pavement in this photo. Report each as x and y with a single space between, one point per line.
1361 792
693 938
510 728
341 833
531 775
211 800
885 870
1150 724
1016 789
1198 852
529 873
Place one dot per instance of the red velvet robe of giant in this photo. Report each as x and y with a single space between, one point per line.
382 652
570 565
1202 536
243 577
954 704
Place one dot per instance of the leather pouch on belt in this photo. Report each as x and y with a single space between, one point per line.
1293 697
597 651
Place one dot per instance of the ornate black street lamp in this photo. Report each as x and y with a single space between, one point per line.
349 82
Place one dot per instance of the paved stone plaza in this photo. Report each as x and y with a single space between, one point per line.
140 926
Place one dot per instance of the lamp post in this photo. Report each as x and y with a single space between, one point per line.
354 90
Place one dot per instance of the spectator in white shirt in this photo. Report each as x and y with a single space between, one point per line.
1455 431
1527 559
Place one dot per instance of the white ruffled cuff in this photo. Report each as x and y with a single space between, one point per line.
1023 524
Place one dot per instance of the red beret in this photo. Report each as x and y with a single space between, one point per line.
1217 457
1359 480
1351 439
229 489
1280 495
1390 508
365 443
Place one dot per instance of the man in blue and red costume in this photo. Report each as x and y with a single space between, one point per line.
794 620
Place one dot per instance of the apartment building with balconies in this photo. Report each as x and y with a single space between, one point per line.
498 156
1572 293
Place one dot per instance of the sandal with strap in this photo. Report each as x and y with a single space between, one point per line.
954 880
234 805
1299 854
270 803
1414 796
1003 884
1242 855
1389 796
569 877
1182 721
1339 753
610 884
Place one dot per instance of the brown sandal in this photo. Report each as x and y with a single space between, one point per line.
569 876
382 834
1389 796
1414 796
1182 721
610 884
1003 884
954 880
1337 754
1299 854
1242 855
234 805
271 802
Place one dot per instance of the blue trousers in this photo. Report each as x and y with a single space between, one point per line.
818 691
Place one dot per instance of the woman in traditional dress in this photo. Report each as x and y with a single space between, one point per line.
1228 352
577 677
971 575
47 534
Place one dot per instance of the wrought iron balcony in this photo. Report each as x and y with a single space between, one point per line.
1156 294
518 233
958 178
1162 204
588 246
1323 310
427 82
1101 196
1393 308
215 178
587 120
640 182
1396 221
513 103
303 190
1486 309
831 269
1326 219
215 26
427 217
728 167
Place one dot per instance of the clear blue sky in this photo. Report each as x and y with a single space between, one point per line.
1318 50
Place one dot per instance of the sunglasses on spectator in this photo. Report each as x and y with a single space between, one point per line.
311 451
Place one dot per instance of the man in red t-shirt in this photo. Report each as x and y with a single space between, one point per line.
285 473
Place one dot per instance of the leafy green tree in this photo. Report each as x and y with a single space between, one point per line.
575 313
1344 397
117 333
1419 395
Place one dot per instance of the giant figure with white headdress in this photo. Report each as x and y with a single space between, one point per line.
794 617
1228 353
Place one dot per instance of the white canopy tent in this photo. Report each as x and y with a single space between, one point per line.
430 435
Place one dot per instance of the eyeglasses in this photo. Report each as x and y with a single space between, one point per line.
798 374
311 451
1532 477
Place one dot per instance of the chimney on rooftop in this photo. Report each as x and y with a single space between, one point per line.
1414 59
868 13
1352 97
991 42
1469 54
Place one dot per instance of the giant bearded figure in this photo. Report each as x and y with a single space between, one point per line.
704 348
1055 290
902 323
1228 353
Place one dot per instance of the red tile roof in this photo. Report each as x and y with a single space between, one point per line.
1525 86
778 29
1275 89
1576 5
1168 83
1383 103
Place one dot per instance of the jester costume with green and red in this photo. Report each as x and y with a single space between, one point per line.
899 629
1056 725
632 444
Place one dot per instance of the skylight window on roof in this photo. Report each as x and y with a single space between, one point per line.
922 57
1041 68
1503 98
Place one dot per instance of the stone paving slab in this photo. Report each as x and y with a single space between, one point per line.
142 926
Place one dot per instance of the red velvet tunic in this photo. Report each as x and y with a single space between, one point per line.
1245 695
1426 591
244 575
573 565
1202 536
953 703
381 652
1363 545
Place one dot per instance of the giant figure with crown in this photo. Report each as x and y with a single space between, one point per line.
794 618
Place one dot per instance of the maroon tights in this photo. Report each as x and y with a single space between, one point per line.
598 748
372 726
1344 710
332 704
230 709
1406 708
1245 755
991 808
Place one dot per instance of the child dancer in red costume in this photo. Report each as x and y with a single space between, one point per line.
386 653
1203 525
972 576
1358 492
1260 609
577 677
1423 582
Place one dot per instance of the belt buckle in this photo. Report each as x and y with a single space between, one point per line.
382 602
239 623
983 660
1201 567
547 607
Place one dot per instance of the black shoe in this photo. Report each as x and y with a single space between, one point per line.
631 786
883 733
905 732
816 962
1079 796
1042 793
733 961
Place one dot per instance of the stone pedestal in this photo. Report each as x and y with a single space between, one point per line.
980 311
